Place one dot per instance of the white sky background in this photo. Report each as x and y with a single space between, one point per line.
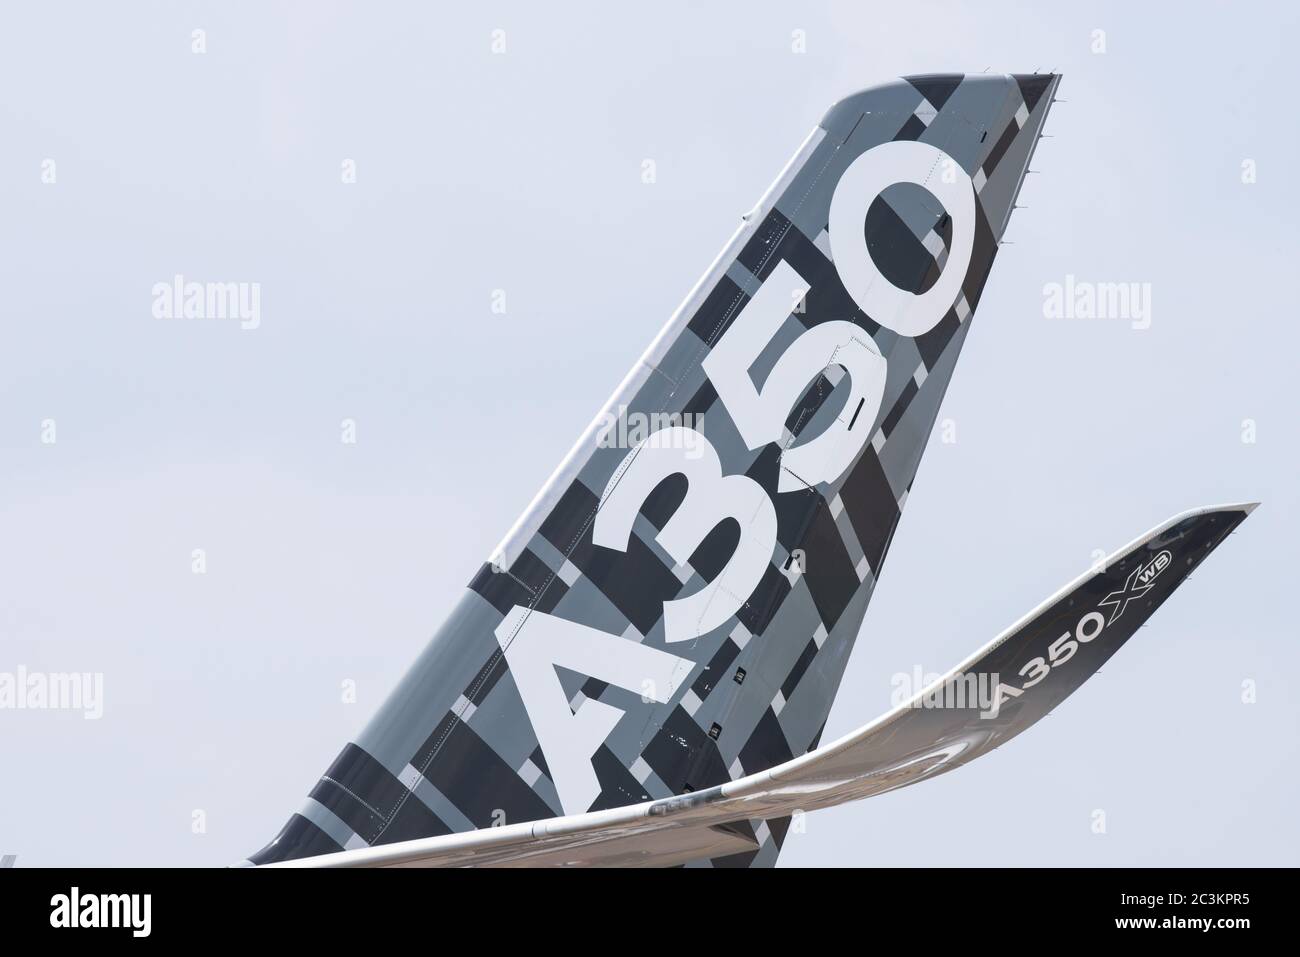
329 562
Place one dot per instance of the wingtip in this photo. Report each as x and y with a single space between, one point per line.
1244 507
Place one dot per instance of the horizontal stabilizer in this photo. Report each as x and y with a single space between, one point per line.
1027 671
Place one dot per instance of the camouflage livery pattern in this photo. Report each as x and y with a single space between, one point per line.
455 748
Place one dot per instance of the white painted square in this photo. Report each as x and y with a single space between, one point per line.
410 777
530 772
464 708
640 770
823 243
569 573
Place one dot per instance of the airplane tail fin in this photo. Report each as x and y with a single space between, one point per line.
676 607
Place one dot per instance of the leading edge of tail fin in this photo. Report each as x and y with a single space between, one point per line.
998 692
676 607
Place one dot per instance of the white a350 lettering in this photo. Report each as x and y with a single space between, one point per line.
760 414
535 644
904 161
711 498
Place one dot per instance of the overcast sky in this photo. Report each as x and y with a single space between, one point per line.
129 158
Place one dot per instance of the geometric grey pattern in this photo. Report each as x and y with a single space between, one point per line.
454 747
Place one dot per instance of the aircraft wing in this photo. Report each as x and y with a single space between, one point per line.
1003 688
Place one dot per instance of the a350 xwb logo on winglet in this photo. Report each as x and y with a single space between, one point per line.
1138 584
